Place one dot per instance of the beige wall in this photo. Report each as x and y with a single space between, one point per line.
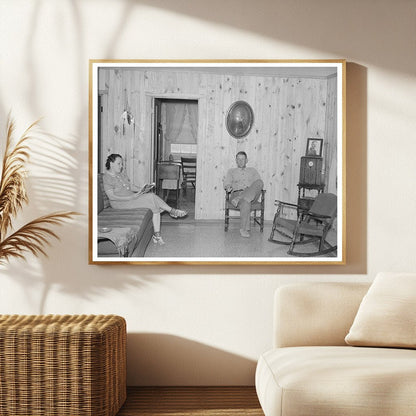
204 325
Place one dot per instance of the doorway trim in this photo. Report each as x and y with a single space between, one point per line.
201 99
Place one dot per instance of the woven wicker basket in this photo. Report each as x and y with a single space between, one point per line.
71 365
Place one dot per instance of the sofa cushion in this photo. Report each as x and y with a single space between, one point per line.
304 381
315 313
101 193
100 201
387 314
140 219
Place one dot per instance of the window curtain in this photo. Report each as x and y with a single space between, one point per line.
175 119
193 119
181 125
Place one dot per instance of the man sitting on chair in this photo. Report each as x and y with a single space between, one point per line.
245 186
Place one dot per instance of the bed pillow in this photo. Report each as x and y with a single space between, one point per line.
386 316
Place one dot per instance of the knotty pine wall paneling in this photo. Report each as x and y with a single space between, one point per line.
286 112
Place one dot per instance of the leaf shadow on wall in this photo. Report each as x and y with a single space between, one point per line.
52 186
163 359
59 180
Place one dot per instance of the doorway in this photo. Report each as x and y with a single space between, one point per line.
175 142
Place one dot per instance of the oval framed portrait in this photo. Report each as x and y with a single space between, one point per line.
240 118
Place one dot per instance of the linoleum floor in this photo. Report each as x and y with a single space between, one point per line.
190 238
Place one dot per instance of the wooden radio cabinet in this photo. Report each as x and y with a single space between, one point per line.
310 180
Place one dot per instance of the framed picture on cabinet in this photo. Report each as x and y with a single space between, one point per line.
199 162
314 147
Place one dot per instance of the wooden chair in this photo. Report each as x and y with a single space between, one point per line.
310 226
168 176
188 171
256 206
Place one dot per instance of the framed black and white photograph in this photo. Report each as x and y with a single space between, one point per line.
204 162
240 119
314 147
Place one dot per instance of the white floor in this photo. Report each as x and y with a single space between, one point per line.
202 239
208 239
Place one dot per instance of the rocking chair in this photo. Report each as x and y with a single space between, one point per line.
311 225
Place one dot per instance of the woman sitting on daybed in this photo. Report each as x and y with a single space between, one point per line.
124 195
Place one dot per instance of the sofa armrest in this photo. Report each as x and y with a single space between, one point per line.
308 314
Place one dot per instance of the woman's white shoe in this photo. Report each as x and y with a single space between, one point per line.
157 239
178 213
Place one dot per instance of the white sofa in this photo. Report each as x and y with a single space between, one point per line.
311 370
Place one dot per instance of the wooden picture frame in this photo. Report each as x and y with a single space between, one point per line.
292 103
240 119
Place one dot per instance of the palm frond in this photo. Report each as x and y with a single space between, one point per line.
12 183
33 237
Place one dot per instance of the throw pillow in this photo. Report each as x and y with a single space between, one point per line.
387 314
106 201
